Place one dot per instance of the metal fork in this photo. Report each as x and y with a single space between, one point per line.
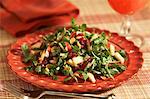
24 94
74 95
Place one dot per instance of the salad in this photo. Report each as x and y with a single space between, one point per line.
76 54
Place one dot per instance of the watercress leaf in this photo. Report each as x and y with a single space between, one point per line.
108 72
63 55
85 76
25 48
65 72
53 43
27 58
122 68
29 68
113 71
49 37
103 71
60 62
104 60
83 27
62 46
74 26
73 22
96 72
35 63
66 39
98 40
71 74
51 74
42 71
45 71
75 48
122 53
60 35
103 35
56 51
88 35
95 56
67 79
70 31
38 69
94 64
80 71
54 77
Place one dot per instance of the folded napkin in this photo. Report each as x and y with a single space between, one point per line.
19 17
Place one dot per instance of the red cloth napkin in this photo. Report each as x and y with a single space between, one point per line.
19 17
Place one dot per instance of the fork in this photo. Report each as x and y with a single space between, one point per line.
73 95
25 94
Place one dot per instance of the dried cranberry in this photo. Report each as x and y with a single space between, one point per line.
80 34
83 65
71 55
68 46
45 61
73 34
83 42
89 59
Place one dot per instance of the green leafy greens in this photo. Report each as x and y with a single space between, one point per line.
74 53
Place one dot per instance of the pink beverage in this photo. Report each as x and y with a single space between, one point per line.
127 6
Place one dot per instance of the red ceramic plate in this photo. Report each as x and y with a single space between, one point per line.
134 63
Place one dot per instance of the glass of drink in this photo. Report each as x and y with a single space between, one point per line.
127 8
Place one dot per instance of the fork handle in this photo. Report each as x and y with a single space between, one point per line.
76 95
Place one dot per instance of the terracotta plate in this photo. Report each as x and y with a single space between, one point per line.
134 63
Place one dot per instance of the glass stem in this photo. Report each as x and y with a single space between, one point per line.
126 25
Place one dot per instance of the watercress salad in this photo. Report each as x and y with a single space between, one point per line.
74 53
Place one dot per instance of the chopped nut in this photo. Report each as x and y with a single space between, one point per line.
119 57
36 45
33 52
48 66
76 74
103 77
72 40
112 49
70 62
46 53
79 45
52 49
46 69
77 60
94 37
78 37
42 57
67 37
91 77
52 61
48 49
